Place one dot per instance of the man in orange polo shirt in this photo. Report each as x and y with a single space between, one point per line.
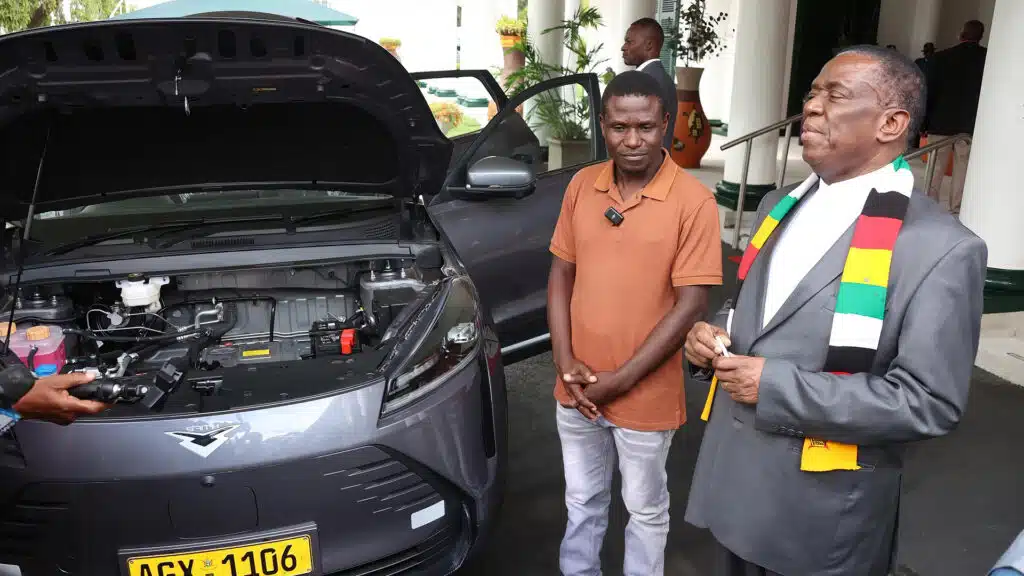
636 247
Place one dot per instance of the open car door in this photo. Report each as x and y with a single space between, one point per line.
475 94
500 203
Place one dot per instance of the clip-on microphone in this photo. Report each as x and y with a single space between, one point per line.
614 216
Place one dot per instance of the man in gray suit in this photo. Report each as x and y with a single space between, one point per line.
854 332
642 48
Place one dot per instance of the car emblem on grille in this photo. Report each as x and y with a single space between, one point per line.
203 443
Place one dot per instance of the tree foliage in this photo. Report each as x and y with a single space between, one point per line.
21 14
90 10
18 15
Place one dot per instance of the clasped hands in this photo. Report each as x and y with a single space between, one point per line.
739 376
588 390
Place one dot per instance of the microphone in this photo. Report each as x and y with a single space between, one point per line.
614 216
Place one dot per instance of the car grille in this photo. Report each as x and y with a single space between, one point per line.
24 524
386 485
430 552
371 488
10 451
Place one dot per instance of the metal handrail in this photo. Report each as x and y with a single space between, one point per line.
780 174
935 146
788 123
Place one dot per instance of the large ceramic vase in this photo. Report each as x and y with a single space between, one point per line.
692 133
514 59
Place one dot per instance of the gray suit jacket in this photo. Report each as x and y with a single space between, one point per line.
748 488
668 88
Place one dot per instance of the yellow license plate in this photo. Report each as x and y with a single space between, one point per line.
289 557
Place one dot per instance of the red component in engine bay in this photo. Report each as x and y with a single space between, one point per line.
348 340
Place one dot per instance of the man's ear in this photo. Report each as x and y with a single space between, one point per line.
895 125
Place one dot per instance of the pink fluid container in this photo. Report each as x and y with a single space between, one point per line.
46 340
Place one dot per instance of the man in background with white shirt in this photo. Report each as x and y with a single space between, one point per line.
642 48
852 333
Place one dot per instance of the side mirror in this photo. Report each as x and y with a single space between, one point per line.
496 177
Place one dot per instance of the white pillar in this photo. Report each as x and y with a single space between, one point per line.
790 40
762 28
993 203
926 25
569 10
541 15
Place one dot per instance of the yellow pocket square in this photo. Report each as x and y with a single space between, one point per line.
826 456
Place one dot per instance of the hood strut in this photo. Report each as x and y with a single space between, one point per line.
20 253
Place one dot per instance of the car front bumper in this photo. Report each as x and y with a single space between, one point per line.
416 490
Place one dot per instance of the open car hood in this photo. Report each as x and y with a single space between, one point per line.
271 103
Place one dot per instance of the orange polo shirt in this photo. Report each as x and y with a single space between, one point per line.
626 274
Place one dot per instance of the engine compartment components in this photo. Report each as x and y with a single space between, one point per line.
174 341
331 338
143 294
41 304
41 347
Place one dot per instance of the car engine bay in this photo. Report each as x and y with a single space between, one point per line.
209 341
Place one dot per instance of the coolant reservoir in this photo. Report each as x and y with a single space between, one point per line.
41 347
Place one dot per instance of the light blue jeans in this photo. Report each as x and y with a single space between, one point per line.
589 452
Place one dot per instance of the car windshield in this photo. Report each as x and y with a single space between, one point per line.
213 201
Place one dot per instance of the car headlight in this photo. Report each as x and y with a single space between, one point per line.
440 341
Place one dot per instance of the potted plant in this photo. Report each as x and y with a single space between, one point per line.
447 115
512 31
391 45
696 39
561 115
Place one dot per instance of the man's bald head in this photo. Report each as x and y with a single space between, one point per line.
973 31
644 40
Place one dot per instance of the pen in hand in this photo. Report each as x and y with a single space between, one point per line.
721 347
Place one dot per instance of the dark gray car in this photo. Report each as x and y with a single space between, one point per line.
300 292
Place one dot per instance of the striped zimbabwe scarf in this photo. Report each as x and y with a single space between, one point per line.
860 303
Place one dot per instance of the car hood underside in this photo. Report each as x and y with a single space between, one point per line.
114 109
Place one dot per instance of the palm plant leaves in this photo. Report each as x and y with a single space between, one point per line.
565 111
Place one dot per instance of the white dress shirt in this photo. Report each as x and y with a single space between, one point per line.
814 228
646 64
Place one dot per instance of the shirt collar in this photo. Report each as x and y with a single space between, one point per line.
646 64
852 182
659 186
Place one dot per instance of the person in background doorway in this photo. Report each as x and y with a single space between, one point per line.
954 89
924 64
642 48
925 61
636 248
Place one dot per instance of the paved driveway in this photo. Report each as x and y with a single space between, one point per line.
963 500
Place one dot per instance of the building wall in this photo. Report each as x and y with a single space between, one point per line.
956 12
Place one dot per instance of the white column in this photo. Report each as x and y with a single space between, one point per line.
993 203
570 8
541 15
762 28
926 25
790 40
